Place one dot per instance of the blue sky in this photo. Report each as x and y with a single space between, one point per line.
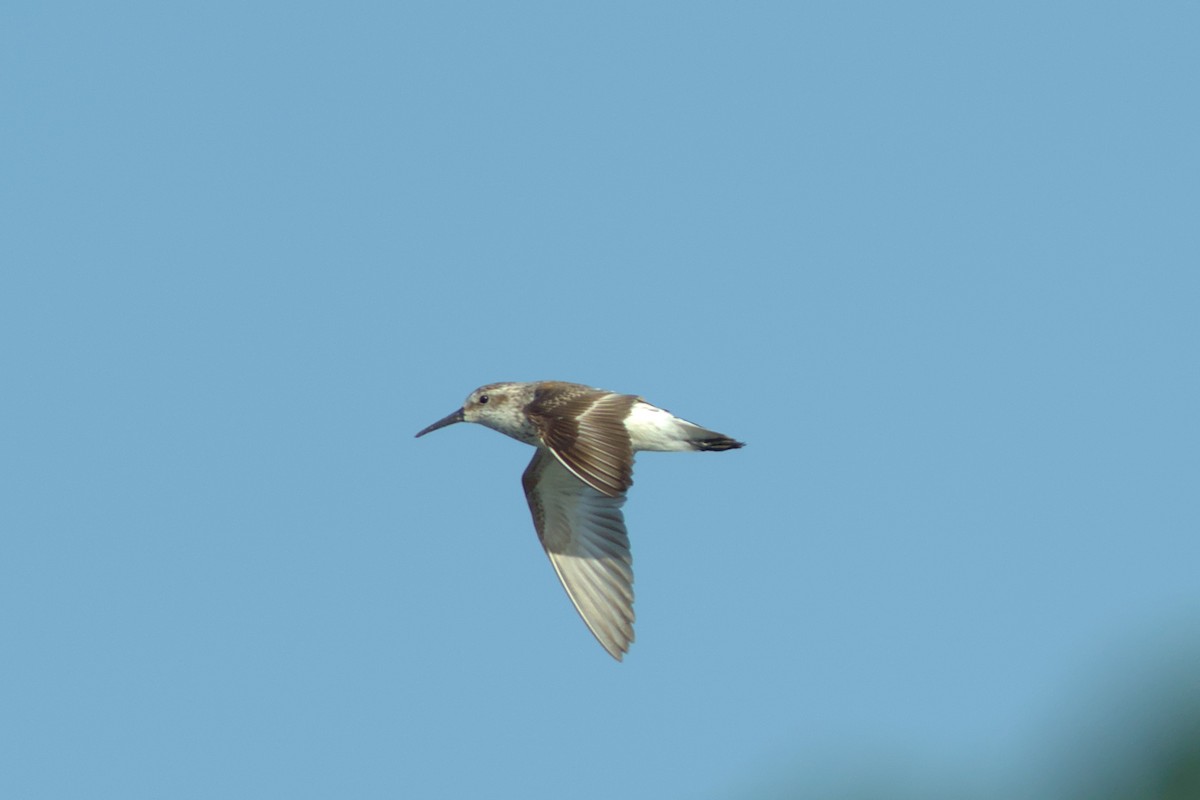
937 264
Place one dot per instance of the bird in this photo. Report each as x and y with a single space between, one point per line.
576 483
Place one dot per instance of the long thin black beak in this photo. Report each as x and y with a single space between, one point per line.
457 416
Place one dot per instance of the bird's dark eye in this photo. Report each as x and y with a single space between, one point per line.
483 398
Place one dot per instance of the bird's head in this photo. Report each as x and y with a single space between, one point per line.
492 405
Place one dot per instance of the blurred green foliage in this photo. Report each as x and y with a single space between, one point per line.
1135 738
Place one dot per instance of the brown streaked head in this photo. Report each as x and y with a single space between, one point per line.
485 399
479 405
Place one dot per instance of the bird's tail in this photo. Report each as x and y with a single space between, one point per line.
704 439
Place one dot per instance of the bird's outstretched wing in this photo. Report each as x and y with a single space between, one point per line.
583 532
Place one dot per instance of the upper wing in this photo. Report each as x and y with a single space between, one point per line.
583 532
585 430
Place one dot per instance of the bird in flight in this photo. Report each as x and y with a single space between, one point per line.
577 480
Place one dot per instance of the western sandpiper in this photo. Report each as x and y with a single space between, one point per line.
577 480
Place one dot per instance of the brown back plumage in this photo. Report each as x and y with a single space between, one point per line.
585 430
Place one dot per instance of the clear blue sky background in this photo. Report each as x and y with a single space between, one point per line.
938 264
